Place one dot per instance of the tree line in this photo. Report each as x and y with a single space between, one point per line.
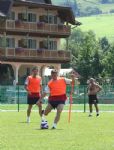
92 8
91 57
106 1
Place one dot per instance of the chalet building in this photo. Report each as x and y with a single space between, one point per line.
30 35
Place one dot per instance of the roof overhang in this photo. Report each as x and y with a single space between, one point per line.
2 15
5 6
38 1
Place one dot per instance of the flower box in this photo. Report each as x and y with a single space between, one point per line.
60 27
40 24
17 22
19 49
40 50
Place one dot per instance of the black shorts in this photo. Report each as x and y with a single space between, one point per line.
93 99
32 99
54 103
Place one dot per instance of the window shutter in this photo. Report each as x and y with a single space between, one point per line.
41 44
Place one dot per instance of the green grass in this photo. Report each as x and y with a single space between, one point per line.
75 107
83 133
102 25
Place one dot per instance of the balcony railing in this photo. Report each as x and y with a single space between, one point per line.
36 27
40 54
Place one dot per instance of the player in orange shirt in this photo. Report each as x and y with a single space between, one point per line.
33 87
57 89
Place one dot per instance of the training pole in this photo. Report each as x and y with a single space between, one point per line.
71 101
71 98
70 108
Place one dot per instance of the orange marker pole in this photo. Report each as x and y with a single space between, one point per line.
71 99
70 108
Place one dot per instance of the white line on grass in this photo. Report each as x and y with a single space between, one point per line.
53 111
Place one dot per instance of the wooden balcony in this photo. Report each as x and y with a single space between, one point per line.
28 55
40 28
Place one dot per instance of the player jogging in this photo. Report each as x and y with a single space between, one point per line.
93 89
33 87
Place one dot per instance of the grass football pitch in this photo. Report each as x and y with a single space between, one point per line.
82 133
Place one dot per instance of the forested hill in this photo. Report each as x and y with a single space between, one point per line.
94 7
95 15
88 7
98 16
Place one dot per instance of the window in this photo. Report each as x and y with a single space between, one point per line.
43 19
48 19
1 42
31 17
11 15
27 43
22 16
10 42
22 43
52 19
44 44
31 43
51 45
55 19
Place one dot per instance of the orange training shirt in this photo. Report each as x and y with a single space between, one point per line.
57 87
34 84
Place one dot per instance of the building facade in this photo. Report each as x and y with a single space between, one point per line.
30 35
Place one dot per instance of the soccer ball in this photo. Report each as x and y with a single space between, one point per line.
44 125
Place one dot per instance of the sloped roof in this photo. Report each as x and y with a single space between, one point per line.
2 15
5 6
